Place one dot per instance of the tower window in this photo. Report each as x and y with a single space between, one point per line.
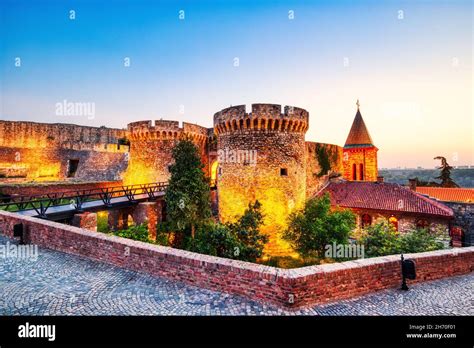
283 172
361 171
354 172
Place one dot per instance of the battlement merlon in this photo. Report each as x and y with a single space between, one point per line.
262 117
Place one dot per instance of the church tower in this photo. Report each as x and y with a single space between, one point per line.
359 153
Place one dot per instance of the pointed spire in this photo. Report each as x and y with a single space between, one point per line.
358 135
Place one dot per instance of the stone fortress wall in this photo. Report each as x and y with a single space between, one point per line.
43 152
257 155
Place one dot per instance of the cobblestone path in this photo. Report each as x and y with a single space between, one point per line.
62 284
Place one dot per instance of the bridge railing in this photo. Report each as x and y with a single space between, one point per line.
76 198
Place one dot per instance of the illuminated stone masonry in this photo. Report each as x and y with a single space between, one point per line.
259 154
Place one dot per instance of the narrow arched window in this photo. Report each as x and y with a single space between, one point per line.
361 171
354 172
366 220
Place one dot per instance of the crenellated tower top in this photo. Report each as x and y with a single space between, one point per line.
166 130
264 117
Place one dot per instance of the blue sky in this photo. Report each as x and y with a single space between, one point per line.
413 75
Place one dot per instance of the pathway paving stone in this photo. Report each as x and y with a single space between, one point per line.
62 284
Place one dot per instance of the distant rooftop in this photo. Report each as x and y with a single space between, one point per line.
448 194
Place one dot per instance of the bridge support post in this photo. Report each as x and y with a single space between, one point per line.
149 213
85 220
118 219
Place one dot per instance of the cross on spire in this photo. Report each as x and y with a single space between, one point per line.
358 104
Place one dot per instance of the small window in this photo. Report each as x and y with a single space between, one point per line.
361 171
169 168
354 171
366 220
422 223
72 165
283 172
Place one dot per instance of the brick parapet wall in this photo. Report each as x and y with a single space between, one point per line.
290 288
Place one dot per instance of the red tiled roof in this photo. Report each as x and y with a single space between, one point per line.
383 196
448 194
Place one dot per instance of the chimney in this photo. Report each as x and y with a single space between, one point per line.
412 184
380 179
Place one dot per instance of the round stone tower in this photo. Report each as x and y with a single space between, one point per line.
151 145
261 156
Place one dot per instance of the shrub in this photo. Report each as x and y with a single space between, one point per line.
136 232
214 239
241 240
420 240
380 239
316 225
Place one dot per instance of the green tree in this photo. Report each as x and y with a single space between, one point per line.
317 225
445 173
188 195
247 231
241 240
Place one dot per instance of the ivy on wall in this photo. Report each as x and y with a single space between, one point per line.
323 155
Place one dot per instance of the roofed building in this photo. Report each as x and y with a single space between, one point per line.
373 202
359 152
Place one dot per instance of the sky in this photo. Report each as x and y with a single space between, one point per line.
408 62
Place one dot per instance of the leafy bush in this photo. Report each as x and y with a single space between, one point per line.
136 232
241 240
382 239
215 239
420 240
317 225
